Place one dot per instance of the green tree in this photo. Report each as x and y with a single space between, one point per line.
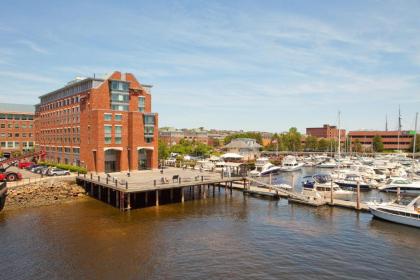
292 139
357 146
276 143
163 150
311 143
323 145
417 144
377 144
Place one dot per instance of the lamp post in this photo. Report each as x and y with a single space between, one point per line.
128 158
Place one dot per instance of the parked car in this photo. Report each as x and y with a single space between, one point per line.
58 172
25 164
9 175
41 169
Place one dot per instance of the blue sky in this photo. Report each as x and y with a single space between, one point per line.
252 65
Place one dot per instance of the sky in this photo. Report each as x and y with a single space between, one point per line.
250 65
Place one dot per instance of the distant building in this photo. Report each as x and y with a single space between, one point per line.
104 124
172 136
16 127
246 147
389 138
327 132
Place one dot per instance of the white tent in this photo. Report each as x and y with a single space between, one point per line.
232 155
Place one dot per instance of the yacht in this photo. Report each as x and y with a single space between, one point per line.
405 185
263 166
328 164
398 212
350 181
290 164
320 185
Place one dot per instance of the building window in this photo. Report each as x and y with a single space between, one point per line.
142 103
119 107
108 134
118 134
107 117
118 117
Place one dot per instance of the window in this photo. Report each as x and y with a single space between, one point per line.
120 97
119 107
107 117
142 103
118 117
3 125
118 133
108 134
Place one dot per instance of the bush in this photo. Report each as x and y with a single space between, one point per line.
69 167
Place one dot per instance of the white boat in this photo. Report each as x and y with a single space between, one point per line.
405 186
319 185
328 164
350 181
397 212
290 164
284 186
263 166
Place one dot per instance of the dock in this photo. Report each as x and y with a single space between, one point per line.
141 189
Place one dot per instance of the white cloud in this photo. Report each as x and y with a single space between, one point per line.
33 46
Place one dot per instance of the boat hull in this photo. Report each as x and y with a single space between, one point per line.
408 221
350 186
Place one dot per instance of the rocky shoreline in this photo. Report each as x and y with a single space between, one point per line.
43 193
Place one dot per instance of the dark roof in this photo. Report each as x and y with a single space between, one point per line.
17 108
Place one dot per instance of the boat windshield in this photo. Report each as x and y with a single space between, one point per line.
322 179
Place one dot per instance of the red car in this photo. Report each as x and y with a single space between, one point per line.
9 175
24 164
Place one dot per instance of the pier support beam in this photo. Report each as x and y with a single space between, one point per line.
157 198
108 196
358 196
146 198
117 199
128 201
182 195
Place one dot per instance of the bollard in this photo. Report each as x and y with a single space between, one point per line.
107 180
116 184
126 185
154 183
91 176
179 180
99 179
202 178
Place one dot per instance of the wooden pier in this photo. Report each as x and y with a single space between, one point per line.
125 195
141 190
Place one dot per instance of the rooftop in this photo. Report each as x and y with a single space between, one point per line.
16 108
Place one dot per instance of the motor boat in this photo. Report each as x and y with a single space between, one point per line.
405 186
290 164
284 186
401 213
351 181
320 185
263 167
328 164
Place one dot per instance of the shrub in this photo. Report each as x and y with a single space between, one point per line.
69 167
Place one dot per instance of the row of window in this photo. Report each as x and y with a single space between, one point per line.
15 135
16 125
108 135
59 103
108 117
18 117
61 149
15 144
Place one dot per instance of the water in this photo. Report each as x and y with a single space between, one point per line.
224 237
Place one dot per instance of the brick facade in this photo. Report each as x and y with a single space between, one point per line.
389 138
105 125
327 132
16 131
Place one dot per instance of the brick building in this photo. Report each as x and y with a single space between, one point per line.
171 136
16 127
327 131
103 124
389 138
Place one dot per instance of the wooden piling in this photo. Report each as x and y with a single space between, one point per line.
157 198
331 192
358 196
146 198
128 201
182 195
108 195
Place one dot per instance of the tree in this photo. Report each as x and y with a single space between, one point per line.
323 145
163 150
311 143
292 139
377 144
357 146
417 144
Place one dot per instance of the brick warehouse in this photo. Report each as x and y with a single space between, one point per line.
105 125
16 127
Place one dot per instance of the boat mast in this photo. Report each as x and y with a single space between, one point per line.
415 136
339 139
399 127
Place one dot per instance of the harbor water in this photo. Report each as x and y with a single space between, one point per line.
226 237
